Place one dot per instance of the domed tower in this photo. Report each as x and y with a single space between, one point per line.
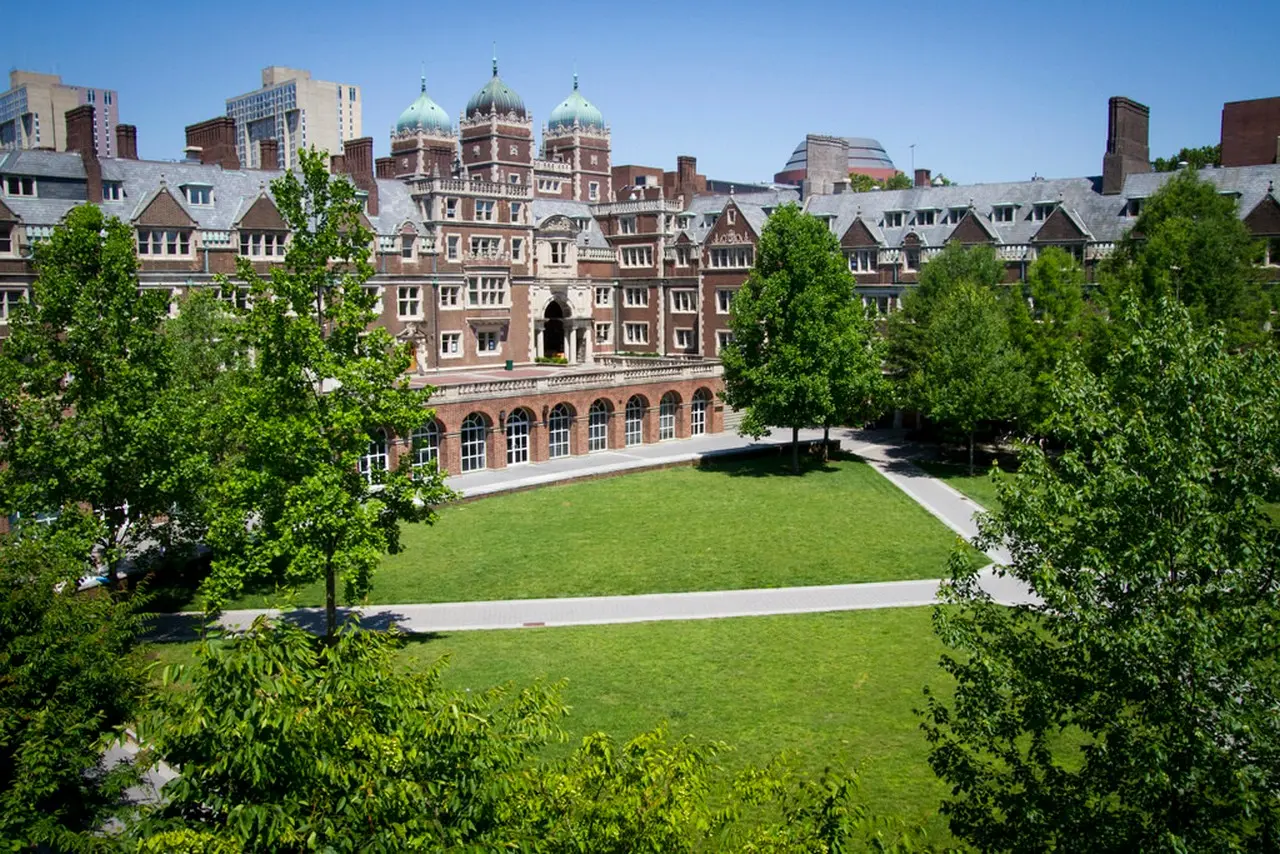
497 135
577 136
423 142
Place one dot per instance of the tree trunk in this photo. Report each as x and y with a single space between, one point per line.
795 450
970 453
826 439
330 601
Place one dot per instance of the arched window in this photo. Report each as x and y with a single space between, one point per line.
667 416
374 458
698 414
558 431
598 426
473 434
517 437
425 441
635 420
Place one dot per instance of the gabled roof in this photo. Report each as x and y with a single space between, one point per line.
974 228
1062 224
163 210
7 215
262 214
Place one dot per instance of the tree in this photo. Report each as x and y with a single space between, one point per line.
1195 158
971 372
69 680
788 321
291 504
1189 243
898 181
88 413
862 183
1132 708
855 367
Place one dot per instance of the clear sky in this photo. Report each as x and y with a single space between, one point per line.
986 91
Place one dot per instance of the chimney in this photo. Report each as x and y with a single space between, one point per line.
337 166
843 185
127 142
385 167
357 160
80 123
923 177
214 141
1127 149
268 153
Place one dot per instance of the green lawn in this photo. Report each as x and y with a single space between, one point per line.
978 487
833 689
729 525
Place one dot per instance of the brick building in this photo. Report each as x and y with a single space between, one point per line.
495 255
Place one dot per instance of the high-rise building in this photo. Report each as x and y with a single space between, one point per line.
297 112
33 112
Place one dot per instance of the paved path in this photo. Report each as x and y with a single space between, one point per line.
888 454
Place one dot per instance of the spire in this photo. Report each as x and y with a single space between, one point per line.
424 76
575 75
495 59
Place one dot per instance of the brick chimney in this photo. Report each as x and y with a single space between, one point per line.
385 167
923 178
80 123
357 163
127 142
1127 149
268 153
215 141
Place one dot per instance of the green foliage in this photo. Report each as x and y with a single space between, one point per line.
288 744
899 181
552 360
69 679
88 410
972 371
291 505
1195 158
1189 244
860 183
801 350
1134 709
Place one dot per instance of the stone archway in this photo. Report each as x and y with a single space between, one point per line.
553 329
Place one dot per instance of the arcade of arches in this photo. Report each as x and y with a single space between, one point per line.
470 436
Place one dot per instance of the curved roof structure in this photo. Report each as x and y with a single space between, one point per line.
495 97
575 109
424 114
866 155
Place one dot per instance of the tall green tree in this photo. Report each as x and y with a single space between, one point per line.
1132 708
70 678
794 312
1189 243
88 411
291 505
972 371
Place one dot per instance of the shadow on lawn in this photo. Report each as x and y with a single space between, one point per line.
774 461
180 628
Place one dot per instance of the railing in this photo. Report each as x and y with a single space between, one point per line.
1014 252
489 258
595 253
587 379
552 166
472 186
638 206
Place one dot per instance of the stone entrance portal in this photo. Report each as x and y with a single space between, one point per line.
553 330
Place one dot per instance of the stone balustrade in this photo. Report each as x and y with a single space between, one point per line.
575 380
472 187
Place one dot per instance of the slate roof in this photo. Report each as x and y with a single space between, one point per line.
42 164
591 236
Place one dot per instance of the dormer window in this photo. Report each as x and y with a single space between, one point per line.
1041 210
364 200
926 216
112 191
685 221
1134 207
957 214
1003 213
406 245
894 219
17 186
198 194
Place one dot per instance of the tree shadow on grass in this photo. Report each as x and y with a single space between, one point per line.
181 628
774 461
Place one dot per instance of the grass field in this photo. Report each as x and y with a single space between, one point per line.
833 689
729 525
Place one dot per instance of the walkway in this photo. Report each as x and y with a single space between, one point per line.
886 453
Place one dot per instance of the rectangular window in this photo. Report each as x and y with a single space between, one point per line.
604 332
517 249
724 299
9 299
450 345
515 206
593 191
484 211
723 339
406 245
683 302
450 208
451 247
486 247
409 303
682 256
235 297
450 296
604 297
513 178
154 242
925 217
486 291
893 219
637 256
684 339
1003 213
637 297
1270 254
15 186
862 261
487 342
198 195
262 244
957 214
6 238
112 191
735 257
627 225
559 252
911 260
637 333
375 292
1040 213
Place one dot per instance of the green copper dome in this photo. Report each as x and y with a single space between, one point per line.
424 114
575 108
495 97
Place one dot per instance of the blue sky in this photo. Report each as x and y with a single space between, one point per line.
986 91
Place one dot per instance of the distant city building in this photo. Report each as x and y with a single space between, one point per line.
296 112
33 112
866 157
